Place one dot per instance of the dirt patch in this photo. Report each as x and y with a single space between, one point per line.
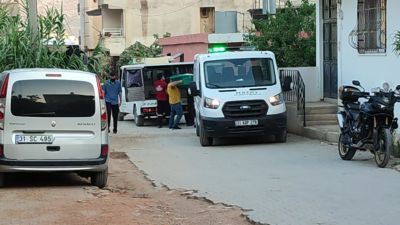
118 155
129 199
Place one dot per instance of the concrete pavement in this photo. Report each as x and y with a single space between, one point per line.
300 182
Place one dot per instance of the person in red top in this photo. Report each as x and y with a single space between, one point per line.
162 99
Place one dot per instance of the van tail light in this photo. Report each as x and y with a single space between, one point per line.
3 95
101 95
104 150
102 105
103 114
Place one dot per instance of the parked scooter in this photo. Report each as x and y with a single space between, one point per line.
368 125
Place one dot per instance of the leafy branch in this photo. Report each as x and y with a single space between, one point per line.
290 34
396 43
138 50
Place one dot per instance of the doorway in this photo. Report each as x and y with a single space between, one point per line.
330 51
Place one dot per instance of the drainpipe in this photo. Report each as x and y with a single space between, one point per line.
339 45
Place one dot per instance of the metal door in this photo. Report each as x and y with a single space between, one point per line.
330 48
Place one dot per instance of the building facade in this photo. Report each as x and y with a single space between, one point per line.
355 42
123 22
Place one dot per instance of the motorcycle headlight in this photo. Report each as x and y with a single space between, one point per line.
276 99
211 103
385 86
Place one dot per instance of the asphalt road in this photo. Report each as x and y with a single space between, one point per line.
299 182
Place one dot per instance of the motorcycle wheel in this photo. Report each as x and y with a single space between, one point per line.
345 153
382 156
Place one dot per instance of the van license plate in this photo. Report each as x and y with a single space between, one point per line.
33 139
246 123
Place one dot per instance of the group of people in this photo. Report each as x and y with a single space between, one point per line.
169 103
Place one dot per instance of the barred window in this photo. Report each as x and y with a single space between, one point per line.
371 29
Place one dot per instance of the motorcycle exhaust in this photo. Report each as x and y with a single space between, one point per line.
340 118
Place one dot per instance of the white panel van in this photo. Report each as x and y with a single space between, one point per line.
238 94
53 120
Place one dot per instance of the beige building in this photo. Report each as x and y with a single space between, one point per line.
12 5
123 22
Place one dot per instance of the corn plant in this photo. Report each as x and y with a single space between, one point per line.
20 49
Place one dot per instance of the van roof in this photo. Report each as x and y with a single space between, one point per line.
235 55
47 70
140 66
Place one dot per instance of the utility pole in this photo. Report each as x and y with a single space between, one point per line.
33 18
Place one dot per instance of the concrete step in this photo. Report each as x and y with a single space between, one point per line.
329 133
321 110
319 117
321 123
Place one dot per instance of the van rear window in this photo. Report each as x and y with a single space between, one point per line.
53 98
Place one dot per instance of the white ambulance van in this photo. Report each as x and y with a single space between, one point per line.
238 94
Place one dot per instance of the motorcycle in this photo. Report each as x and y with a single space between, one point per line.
368 125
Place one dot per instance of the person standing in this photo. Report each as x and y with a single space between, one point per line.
175 103
162 98
113 96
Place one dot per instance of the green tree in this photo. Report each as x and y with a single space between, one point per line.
139 50
290 35
19 48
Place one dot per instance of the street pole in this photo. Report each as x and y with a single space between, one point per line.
33 18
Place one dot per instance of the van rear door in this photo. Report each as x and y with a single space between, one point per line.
52 117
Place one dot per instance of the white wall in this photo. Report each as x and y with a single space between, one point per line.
371 70
311 81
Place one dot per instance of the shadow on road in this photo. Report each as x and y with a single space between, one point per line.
21 180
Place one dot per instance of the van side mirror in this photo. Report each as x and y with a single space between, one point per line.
356 82
287 84
193 89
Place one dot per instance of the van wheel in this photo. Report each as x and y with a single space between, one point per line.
281 138
121 117
1 180
99 179
139 120
205 141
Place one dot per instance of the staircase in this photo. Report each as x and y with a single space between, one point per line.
320 114
321 121
316 120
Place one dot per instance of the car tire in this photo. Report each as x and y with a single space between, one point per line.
1 180
197 130
121 117
204 140
281 138
99 179
139 120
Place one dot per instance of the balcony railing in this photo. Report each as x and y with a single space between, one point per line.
113 32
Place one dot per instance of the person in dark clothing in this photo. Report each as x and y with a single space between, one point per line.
190 115
113 96
162 98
